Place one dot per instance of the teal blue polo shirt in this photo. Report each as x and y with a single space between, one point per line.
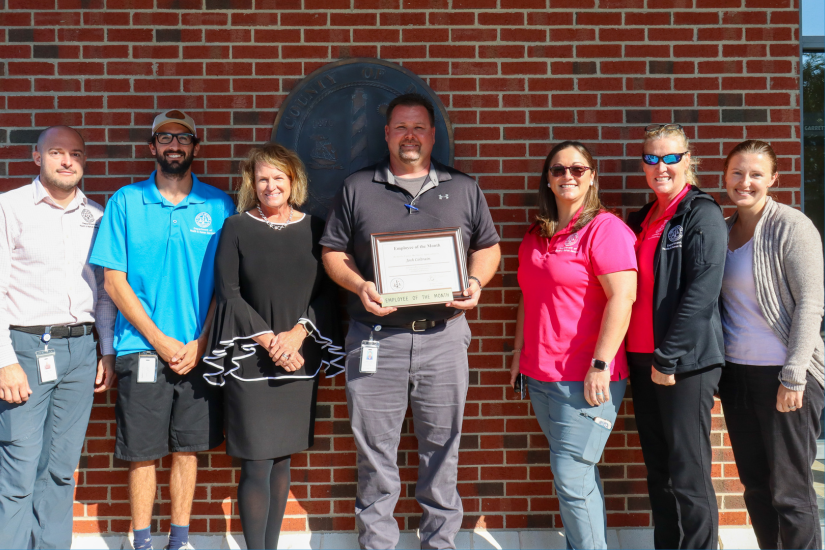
168 254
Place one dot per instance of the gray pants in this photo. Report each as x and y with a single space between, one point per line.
431 368
40 444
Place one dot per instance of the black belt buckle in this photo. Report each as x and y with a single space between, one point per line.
412 325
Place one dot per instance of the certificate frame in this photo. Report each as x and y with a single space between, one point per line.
436 295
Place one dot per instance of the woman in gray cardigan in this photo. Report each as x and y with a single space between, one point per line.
772 388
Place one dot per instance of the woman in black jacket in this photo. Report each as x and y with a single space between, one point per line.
675 347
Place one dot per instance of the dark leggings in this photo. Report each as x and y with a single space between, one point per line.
262 495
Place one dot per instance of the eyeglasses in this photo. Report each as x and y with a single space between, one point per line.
656 127
166 138
558 170
672 158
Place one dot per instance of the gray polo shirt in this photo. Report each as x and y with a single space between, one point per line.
369 202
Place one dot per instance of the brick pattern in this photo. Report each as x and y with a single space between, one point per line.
515 75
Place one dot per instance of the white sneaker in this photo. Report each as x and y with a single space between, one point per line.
186 546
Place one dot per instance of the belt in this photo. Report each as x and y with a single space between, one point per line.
58 331
424 324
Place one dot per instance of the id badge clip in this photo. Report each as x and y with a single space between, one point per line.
147 367
46 366
369 353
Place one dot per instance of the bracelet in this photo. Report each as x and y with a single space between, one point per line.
476 279
515 351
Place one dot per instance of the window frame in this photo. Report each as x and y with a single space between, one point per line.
807 44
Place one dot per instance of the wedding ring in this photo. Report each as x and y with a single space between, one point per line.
793 408
285 356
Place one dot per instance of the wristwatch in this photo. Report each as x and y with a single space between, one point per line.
598 365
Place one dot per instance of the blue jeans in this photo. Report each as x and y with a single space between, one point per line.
40 444
576 445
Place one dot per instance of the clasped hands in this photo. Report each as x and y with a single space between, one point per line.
181 357
283 347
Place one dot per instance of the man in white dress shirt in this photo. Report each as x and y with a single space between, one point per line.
50 299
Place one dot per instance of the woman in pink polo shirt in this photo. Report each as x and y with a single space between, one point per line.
675 343
577 273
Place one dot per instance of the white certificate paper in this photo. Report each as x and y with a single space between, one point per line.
420 264
419 267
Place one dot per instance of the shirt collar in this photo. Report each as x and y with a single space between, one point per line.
383 174
670 211
40 195
432 177
151 194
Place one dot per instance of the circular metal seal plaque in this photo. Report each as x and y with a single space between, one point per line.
335 117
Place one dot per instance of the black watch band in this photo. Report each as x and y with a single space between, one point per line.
598 365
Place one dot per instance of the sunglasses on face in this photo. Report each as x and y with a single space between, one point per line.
653 160
166 138
558 170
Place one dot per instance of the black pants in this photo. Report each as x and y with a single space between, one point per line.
674 430
774 452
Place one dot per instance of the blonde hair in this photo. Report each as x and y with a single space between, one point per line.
547 220
665 131
283 159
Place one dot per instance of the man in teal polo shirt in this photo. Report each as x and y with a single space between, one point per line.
157 244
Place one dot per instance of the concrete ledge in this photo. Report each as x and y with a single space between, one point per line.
500 539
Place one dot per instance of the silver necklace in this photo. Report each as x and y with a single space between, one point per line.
275 226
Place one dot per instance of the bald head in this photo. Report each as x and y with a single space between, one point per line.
61 155
58 132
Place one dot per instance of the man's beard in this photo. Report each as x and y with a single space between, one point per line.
174 169
412 155
63 185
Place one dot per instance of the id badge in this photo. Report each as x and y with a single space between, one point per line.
369 356
147 367
46 367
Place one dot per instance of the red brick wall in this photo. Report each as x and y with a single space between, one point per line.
515 75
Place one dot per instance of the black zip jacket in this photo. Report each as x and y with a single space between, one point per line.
689 265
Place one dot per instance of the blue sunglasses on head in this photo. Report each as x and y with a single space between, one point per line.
672 158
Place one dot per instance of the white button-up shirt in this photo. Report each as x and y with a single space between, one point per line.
45 275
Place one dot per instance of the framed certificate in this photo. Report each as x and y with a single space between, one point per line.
414 268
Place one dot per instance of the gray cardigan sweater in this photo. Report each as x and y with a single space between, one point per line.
788 273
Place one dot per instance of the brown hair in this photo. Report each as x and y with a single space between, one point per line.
752 147
283 159
411 100
547 220
675 131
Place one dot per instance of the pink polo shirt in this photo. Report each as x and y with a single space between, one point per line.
563 299
640 331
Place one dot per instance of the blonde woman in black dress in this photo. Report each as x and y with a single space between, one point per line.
275 328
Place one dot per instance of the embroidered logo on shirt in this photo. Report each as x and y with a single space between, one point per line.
88 218
674 236
443 197
203 220
570 244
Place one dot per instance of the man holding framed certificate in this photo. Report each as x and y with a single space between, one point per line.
413 242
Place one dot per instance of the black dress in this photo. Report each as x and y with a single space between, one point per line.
267 280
